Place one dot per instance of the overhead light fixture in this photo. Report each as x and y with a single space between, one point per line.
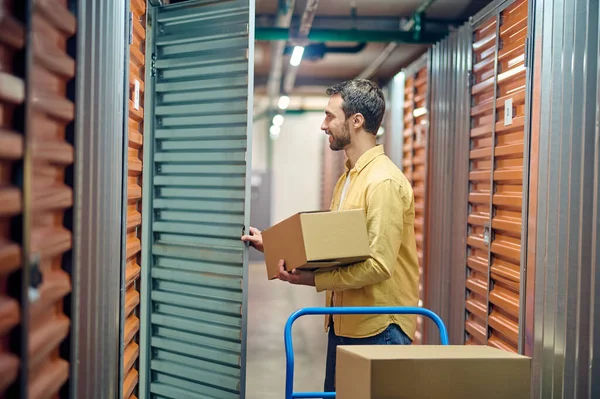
380 131
284 102
278 120
419 112
296 56
274 132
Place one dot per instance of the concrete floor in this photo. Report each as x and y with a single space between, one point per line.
269 305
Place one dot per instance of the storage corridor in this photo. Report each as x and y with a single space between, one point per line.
141 139
270 303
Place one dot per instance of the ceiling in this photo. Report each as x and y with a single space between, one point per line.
313 76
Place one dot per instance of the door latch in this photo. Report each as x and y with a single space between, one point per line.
35 278
487 233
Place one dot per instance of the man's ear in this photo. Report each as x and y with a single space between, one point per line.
358 121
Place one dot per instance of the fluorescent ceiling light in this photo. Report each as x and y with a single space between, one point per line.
297 56
274 132
278 120
419 112
380 131
284 102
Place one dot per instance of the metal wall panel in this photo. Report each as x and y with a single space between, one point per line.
415 157
12 97
446 208
197 196
563 278
133 188
98 200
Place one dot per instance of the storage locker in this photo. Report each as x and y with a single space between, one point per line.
50 113
415 157
38 69
12 98
196 190
496 227
135 130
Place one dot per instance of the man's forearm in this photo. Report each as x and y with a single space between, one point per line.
353 276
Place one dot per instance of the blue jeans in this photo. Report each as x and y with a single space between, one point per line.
393 335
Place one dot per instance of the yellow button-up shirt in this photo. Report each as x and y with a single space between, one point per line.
390 277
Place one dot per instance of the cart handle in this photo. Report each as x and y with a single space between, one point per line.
289 349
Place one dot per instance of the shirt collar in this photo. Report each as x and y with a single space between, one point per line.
366 158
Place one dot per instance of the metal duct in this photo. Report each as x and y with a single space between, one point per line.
389 49
307 19
277 48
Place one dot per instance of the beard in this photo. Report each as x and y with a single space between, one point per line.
340 141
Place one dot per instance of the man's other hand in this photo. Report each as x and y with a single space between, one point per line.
296 276
255 239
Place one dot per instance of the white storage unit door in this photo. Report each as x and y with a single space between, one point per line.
196 201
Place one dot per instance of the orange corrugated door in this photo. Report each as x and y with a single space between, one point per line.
482 116
508 180
414 163
134 195
408 134
496 180
12 95
52 112
419 172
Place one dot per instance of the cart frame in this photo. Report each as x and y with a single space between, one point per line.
289 349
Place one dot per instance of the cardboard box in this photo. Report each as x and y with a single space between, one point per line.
316 240
421 371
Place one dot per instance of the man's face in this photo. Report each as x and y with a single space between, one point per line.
335 124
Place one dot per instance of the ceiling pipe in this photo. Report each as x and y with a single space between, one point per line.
305 25
284 19
352 35
414 24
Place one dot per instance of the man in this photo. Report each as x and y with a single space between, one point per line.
390 277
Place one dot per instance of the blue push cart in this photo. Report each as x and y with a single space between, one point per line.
289 349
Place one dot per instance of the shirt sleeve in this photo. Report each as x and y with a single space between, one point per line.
385 224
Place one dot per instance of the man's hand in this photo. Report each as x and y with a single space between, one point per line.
255 239
296 276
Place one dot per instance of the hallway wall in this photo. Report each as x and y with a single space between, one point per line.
297 165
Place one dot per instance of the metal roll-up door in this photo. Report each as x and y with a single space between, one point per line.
482 116
48 157
508 218
37 195
131 323
198 119
12 96
494 261
415 159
